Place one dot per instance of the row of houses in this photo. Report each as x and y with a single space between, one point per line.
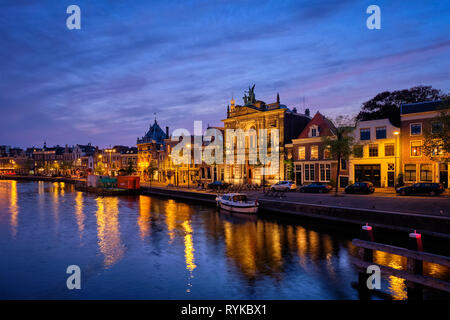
79 160
382 153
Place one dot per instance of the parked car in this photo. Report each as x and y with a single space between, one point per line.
433 189
218 185
316 187
286 185
360 187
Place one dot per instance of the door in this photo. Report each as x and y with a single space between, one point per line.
443 175
298 177
390 178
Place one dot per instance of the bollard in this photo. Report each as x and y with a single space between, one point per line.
366 233
414 266
415 241
365 255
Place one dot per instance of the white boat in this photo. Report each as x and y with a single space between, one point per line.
237 202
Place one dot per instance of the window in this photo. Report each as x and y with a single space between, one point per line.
314 152
314 132
325 172
389 150
343 164
381 133
298 167
373 150
410 172
309 172
425 172
301 153
364 134
358 151
416 148
391 167
415 129
436 127
327 152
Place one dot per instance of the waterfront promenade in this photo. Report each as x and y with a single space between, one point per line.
383 199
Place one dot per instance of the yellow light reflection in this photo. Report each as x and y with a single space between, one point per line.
171 218
144 216
189 247
14 208
397 286
108 233
79 212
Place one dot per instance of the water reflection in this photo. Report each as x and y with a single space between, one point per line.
108 233
144 216
14 208
79 212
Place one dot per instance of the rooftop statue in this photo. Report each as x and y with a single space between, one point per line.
250 99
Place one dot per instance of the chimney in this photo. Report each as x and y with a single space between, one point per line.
167 132
307 112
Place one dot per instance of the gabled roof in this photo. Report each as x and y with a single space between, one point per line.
326 127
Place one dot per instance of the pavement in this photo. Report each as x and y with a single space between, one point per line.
382 199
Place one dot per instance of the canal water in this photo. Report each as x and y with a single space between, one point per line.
150 248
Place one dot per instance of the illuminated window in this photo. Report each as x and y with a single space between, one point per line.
373 150
314 152
301 153
389 150
327 152
425 173
410 172
416 148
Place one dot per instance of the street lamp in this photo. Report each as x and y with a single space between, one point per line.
189 161
397 148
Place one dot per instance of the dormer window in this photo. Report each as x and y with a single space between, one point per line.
314 131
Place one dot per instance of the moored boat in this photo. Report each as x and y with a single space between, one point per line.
237 202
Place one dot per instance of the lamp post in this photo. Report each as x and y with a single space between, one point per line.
189 162
110 151
397 148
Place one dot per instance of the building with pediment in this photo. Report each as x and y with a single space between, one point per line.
255 115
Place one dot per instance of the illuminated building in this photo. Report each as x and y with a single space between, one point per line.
416 120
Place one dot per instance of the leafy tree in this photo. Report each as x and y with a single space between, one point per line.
437 138
151 169
130 168
289 169
387 104
100 168
341 144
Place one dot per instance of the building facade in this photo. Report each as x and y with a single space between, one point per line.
151 149
311 158
256 115
416 120
376 154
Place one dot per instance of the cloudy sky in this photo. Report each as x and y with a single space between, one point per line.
185 59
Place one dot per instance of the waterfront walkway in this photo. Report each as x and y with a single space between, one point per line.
383 200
